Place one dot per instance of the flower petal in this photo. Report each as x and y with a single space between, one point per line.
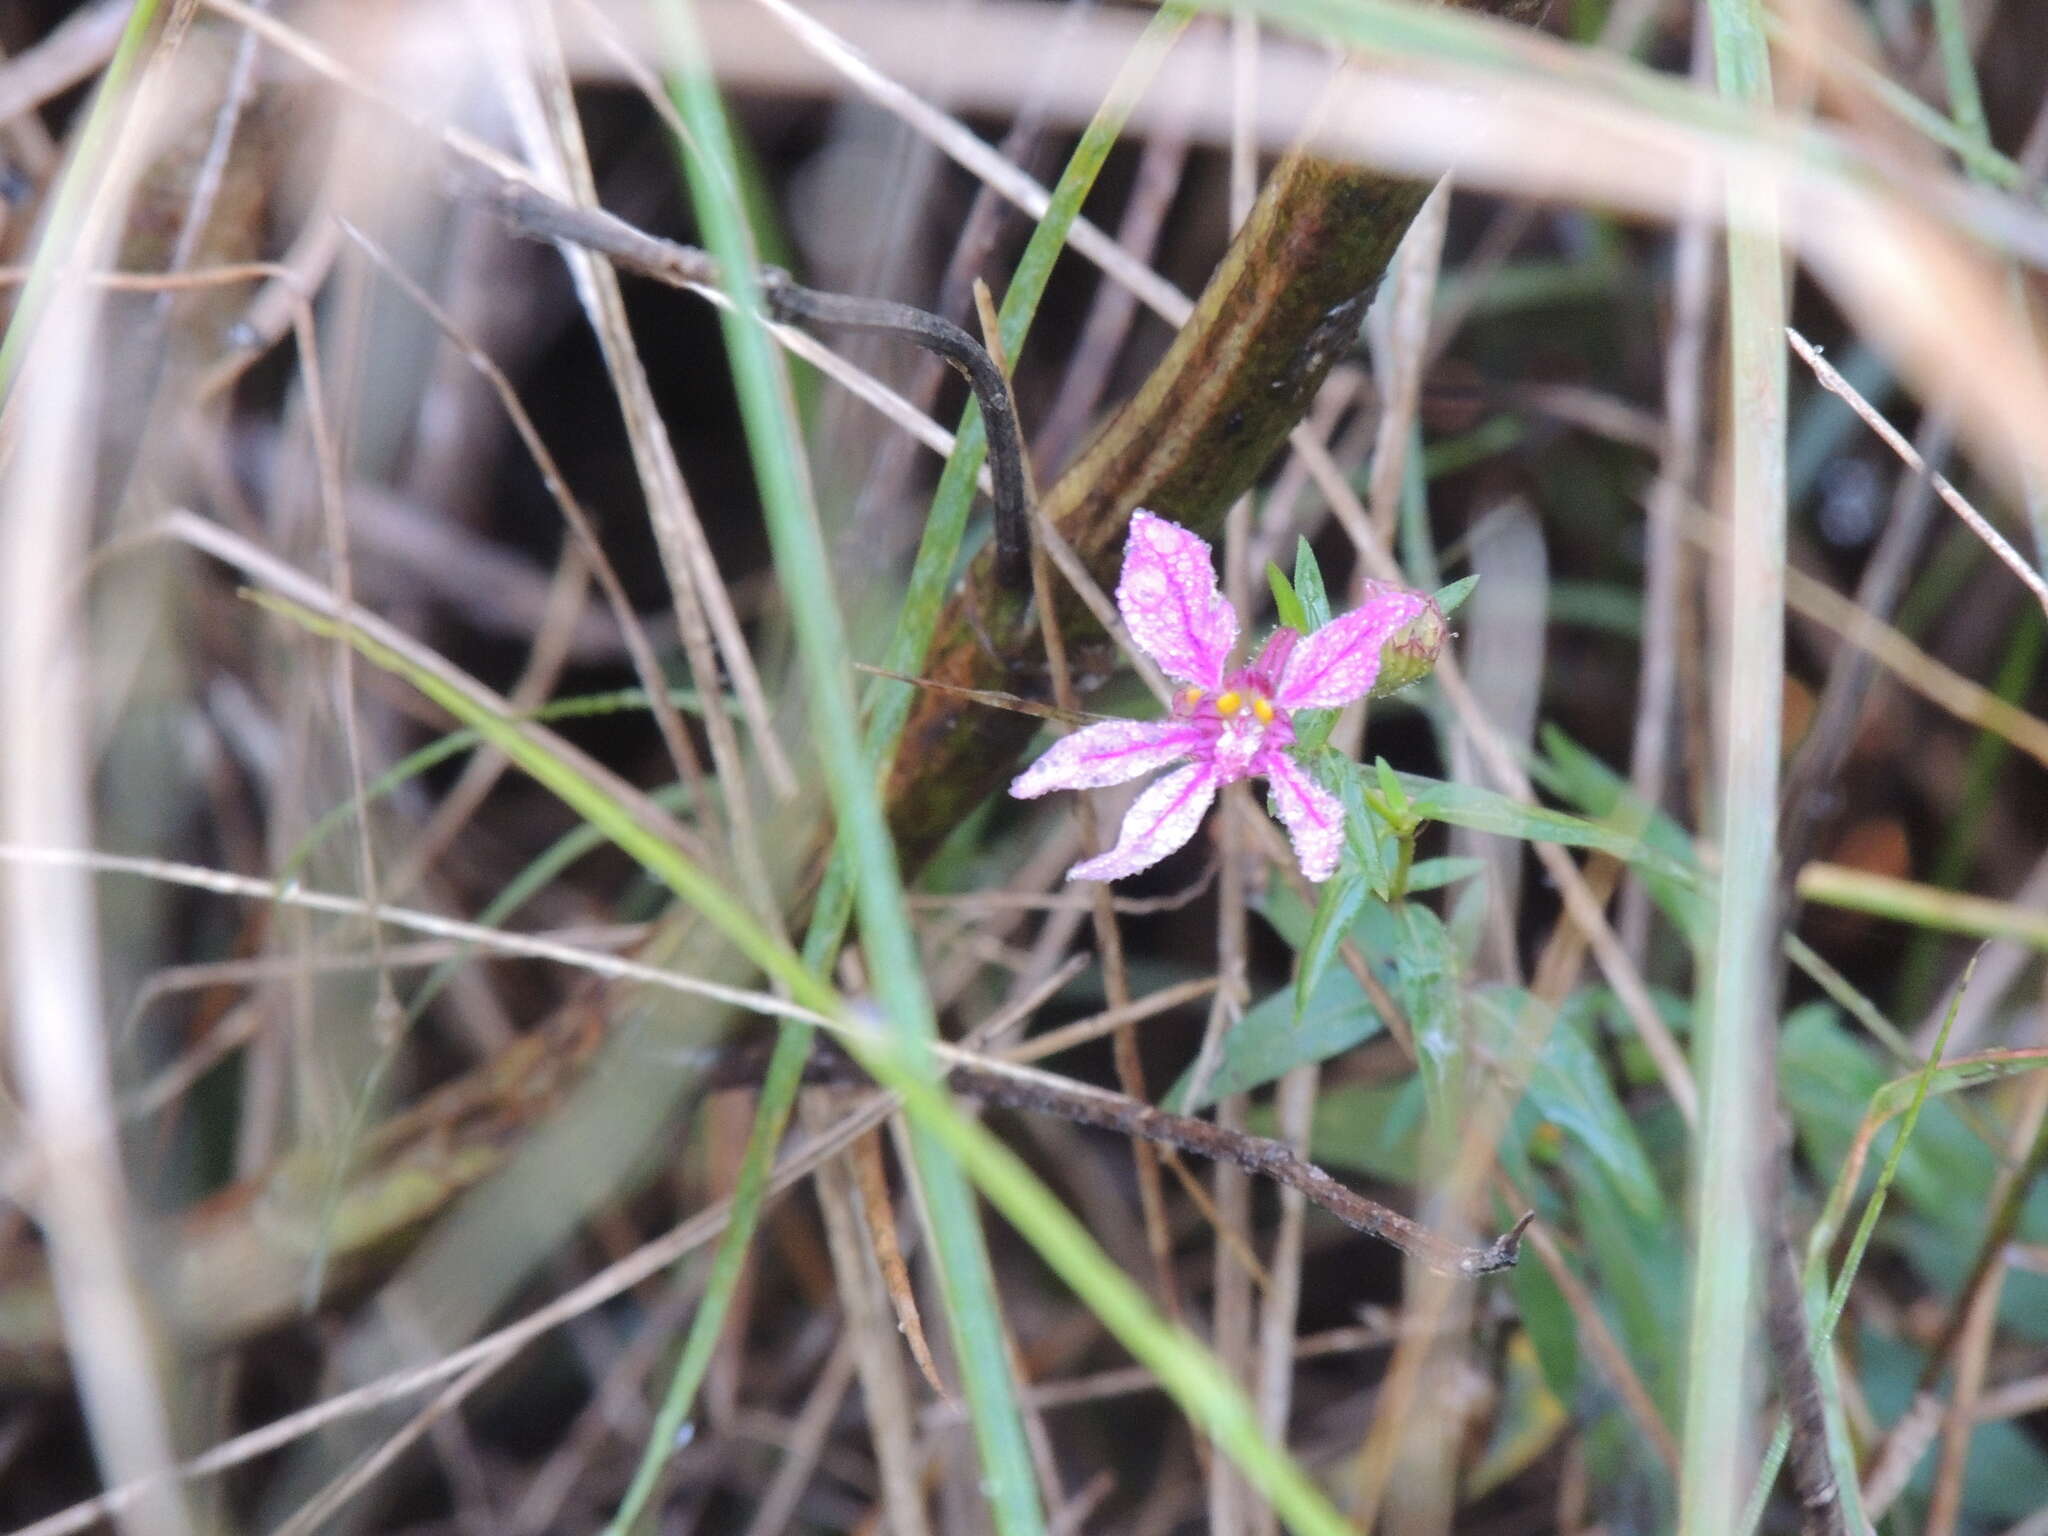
1114 752
1169 601
1341 661
1313 816
1158 823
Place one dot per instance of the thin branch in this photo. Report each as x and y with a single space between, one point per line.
532 214
1995 541
1043 1093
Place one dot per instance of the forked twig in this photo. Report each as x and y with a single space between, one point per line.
532 214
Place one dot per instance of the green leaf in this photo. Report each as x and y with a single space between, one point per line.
1575 775
1828 1077
1482 810
1642 1269
1371 1128
1365 836
1312 728
1568 1087
1426 982
1378 930
1285 600
1529 1417
1833 1084
1308 582
1390 787
1434 874
1450 599
2005 1470
1271 1040
1552 1328
1341 898
1466 921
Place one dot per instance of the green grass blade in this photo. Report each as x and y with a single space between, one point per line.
938 552
1737 981
535 757
967 1279
778 1094
1909 1094
1925 906
82 180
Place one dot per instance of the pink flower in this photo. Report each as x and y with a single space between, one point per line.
1226 726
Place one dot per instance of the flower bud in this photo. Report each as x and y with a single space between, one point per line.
1411 651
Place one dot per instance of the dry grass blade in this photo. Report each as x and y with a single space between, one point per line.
806 1443
614 1280
497 940
990 697
1831 379
645 664
277 576
1404 354
878 1213
1977 1318
48 914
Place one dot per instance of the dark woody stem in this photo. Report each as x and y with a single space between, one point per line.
936 334
1034 1091
1258 1155
533 214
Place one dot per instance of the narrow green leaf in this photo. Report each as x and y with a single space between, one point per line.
973 1308
1482 810
1365 836
1390 787
1552 1328
1575 775
1641 1266
1569 1088
1373 1128
1312 729
1466 920
1271 1040
1452 598
1337 906
1285 599
1308 582
1528 1417
81 178
1427 985
1434 874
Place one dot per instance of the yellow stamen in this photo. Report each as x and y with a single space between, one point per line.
1228 704
1191 697
1263 708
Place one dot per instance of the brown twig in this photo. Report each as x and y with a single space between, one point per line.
871 1182
534 215
1785 1321
1261 1156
